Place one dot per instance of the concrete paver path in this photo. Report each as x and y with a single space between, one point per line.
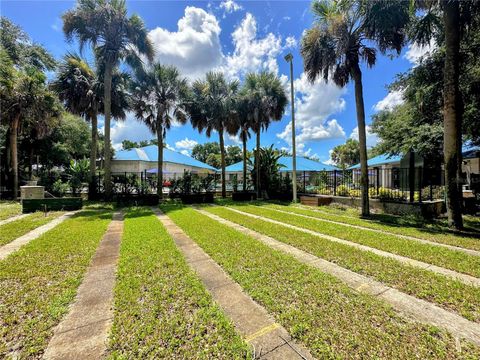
16 244
464 278
13 218
269 339
83 333
406 237
409 306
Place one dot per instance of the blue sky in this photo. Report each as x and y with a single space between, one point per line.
235 37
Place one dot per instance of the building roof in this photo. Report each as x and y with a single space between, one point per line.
150 153
470 151
303 164
380 160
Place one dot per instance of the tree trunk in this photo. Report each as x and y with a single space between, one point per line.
14 154
93 156
222 156
107 112
451 115
244 143
160 158
362 138
257 166
30 163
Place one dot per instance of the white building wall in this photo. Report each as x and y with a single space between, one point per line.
141 166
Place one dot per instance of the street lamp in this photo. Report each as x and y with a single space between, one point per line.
289 59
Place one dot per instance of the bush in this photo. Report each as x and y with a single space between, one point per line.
60 188
342 190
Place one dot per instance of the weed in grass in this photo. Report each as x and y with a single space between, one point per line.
162 309
431 254
38 282
450 294
329 318
17 228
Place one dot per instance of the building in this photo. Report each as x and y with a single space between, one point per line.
304 167
144 160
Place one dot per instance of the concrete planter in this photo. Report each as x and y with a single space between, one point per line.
203 198
51 204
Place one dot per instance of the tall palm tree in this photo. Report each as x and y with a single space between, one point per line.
243 126
266 100
77 87
212 107
159 95
343 35
115 37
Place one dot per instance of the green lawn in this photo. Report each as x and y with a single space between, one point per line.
38 282
405 227
436 255
17 228
450 294
162 310
318 310
9 209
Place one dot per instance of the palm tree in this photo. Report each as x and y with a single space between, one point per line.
342 36
77 87
115 37
158 99
243 126
266 101
212 107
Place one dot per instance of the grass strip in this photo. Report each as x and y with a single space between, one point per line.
332 320
431 254
17 228
403 228
9 209
162 310
39 281
423 284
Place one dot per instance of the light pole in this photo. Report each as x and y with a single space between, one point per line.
289 59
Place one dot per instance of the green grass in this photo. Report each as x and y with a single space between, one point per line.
17 228
38 282
319 311
9 209
162 310
402 226
450 294
431 254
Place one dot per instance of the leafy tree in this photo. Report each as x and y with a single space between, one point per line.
212 107
202 151
347 154
243 125
233 155
345 33
115 37
158 99
26 102
265 100
269 169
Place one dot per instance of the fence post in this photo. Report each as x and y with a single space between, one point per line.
378 179
431 190
411 177
334 182
420 183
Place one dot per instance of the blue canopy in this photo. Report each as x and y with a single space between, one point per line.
379 160
303 164
150 153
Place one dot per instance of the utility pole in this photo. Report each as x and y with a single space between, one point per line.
289 59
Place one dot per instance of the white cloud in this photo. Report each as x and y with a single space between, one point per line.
251 53
314 104
372 138
230 6
330 160
393 98
194 48
57 25
235 139
290 42
186 144
130 129
170 147
185 152
286 18
415 52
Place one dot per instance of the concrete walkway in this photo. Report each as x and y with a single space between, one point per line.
13 218
464 278
83 333
269 339
409 306
16 244
423 241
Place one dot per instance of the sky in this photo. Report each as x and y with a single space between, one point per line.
236 37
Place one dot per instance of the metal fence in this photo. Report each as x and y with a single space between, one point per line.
400 184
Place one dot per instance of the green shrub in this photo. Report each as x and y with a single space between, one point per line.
60 188
342 190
